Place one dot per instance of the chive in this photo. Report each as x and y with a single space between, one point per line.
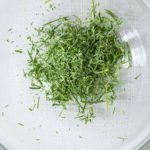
51 4
18 51
9 30
113 15
60 114
63 117
6 106
7 40
122 138
38 102
20 124
78 61
47 1
107 100
137 77
2 114
24 73
30 109
124 89
31 23
114 110
34 88
80 137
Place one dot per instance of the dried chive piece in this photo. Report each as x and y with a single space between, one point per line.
78 61
114 110
2 114
9 30
138 76
20 124
30 109
34 88
38 102
57 132
18 51
6 106
51 4
122 138
80 137
7 40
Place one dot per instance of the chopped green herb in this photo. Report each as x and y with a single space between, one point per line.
33 107
2 114
47 1
31 23
18 51
122 138
63 117
60 114
79 61
114 110
20 124
7 40
30 109
138 76
124 89
51 4
38 102
80 137
25 74
6 106
9 30
34 88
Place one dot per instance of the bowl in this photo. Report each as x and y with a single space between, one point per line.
126 126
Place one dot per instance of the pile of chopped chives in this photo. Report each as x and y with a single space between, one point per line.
78 61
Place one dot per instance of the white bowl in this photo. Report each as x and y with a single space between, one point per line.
127 129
